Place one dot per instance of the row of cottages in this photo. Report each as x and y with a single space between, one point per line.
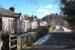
23 23
28 23
7 19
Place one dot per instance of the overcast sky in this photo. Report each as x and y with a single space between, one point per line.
39 8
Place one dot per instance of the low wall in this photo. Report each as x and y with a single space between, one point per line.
25 40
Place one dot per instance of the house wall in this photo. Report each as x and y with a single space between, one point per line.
43 23
7 24
19 26
34 25
23 25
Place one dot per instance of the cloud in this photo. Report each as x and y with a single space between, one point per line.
47 9
41 10
44 9
48 6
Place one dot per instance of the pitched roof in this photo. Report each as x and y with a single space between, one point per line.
8 13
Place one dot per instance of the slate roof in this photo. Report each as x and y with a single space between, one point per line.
8 13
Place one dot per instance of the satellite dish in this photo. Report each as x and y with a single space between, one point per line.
12 9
